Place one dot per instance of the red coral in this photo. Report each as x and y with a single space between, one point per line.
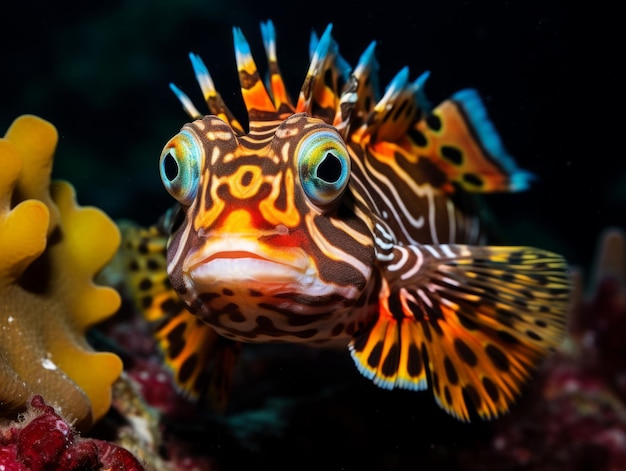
158 390
43 440
115 458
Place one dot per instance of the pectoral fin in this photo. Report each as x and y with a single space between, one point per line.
478 319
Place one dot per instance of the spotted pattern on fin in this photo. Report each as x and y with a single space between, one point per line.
477 318
463 144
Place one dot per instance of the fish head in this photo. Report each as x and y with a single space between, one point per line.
267 241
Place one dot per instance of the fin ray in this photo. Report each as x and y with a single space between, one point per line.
255 96
327 74
480 318
276 84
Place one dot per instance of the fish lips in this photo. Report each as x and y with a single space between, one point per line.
248 264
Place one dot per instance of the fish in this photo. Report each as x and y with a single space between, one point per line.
348 217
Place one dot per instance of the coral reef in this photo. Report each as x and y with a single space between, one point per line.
42 439
50 250
147 408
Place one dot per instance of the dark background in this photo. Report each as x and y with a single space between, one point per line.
549 73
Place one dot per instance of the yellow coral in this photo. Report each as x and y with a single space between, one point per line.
50 250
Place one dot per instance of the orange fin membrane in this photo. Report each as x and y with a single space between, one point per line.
201 361
457 136
460 139
401 105
471 321
255 96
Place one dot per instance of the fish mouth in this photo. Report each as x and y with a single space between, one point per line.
248 265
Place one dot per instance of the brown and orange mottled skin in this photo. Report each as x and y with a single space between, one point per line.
348 218
247 257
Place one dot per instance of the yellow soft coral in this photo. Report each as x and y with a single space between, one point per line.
50 250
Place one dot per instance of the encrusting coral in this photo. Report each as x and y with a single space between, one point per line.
24 448
50 251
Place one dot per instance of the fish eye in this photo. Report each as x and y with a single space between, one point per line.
179 165
323 166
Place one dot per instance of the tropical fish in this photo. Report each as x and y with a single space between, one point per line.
345 217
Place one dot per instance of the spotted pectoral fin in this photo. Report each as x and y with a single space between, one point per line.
458 137
478 319
201 361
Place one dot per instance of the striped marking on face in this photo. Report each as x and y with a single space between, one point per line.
269 231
